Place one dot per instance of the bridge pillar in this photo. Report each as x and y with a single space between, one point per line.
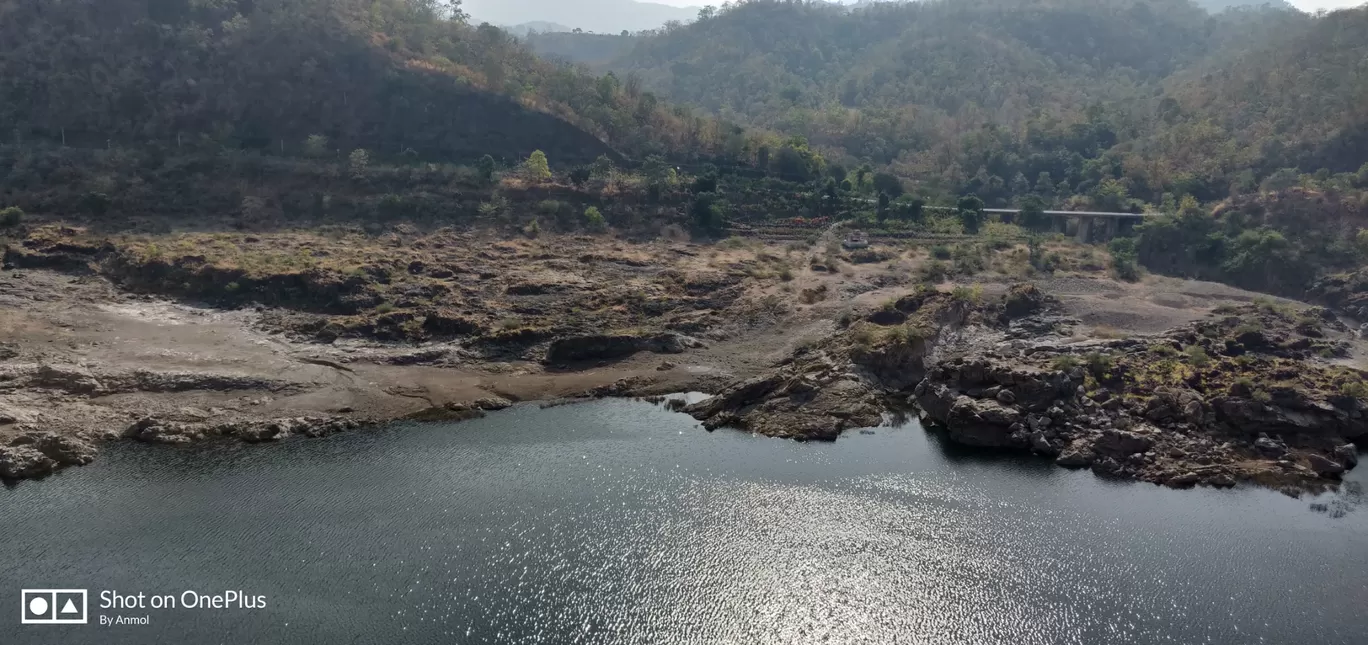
1109 228
1084 228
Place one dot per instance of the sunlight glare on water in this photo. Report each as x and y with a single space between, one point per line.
621 522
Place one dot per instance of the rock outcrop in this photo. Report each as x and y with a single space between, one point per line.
793 403
850 379
1243 396
24 462
37 454
575 349
1237 397
154 430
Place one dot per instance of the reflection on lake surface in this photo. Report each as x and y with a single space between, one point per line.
621 522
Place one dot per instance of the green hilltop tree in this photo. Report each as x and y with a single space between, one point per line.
486 168
358 161
860 174
536 168
593 220
887 182
602 168
316 146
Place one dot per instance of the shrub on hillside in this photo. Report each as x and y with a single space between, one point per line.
11 217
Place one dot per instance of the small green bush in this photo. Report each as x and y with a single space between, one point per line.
935 271
1100 364
1197 356
971 294
11 217
1163 349
1065 363
1355 388
864 336
593 219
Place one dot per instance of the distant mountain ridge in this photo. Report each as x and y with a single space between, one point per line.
1216 6
602 16
1005 98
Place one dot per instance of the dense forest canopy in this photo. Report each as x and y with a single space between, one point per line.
1096 103
392 76
1106 100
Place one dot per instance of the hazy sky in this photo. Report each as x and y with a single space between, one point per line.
1312 5
1304 5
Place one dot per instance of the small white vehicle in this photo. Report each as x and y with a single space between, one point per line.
856 240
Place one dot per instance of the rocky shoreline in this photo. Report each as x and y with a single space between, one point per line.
1264 393
1251 394
34 455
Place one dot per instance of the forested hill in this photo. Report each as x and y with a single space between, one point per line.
1128 97
391 76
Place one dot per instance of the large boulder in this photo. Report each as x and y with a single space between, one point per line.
1078 454
1024 299
67 451
1118 443
153 430
574 349
446 323
736 396
1347 454
934 399
793 405
1031 388
982 422
1325 467
68 378
24 462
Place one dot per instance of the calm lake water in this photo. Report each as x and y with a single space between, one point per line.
621 522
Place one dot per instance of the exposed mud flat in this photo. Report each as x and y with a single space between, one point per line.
84 361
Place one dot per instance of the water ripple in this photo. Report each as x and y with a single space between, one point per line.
619 522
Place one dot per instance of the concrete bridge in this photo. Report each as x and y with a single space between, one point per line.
1093 226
